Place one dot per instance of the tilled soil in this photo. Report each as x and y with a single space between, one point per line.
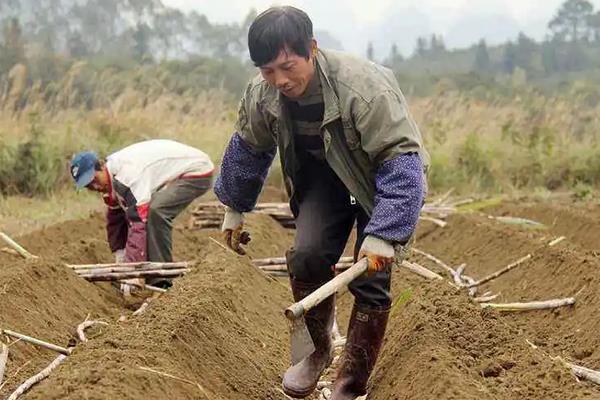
219 332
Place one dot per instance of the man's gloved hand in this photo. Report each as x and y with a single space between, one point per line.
235 236
119 256
380 254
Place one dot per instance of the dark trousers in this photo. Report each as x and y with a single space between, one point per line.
324 220
165 205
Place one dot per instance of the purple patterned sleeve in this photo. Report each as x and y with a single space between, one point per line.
243 172
400 184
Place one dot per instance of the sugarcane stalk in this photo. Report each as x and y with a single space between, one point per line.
436 221
420 270
442 198
138 265
470 281
29 383
519 221
17 247
273 268
457 275
84 325
442 210
556 241
533 305
281 261
146 287
125 269
435 260
116 276
500 272
323 384
10 251
3 361
462 202
485 299
37 342
584 373
283 267
142 308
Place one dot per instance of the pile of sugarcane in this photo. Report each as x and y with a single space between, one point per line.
116 272
210 215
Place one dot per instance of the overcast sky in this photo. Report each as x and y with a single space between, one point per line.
355 22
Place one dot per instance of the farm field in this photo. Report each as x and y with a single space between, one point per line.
215 336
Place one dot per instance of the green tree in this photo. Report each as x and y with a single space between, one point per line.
576 57
571 20
509 58
525 50
421 47
370 51
436 44
76 46
141 42
594 25
14 44
549 56
395 57
482 57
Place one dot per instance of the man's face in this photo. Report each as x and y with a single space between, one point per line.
289 72
100 182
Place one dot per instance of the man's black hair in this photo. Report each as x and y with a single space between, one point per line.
277 29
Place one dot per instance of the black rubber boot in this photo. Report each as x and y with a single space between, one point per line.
300 380
365 337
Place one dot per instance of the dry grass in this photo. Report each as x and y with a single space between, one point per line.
498 146
532 144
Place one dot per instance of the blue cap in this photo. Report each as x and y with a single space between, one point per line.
83 168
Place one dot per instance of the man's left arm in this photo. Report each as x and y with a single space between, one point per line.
137 204
392 141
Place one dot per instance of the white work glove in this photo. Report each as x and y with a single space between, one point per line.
233 226
380 254
119 256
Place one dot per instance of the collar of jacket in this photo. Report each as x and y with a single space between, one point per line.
330 98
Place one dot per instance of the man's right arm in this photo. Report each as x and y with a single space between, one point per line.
247 158
116 225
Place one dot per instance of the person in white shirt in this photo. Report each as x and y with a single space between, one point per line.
145 186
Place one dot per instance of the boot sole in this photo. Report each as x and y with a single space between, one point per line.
298 394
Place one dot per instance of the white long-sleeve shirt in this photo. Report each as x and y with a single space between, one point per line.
139 170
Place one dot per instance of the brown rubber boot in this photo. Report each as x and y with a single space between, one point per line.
300 380
365 337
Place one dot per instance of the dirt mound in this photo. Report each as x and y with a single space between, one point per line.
225 318
579 222
220 327
553 272
441 346
219 332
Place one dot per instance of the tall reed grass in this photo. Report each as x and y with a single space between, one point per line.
477 145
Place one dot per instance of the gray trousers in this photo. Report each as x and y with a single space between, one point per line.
324 217
165 205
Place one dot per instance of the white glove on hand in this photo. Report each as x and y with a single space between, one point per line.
119 256
232 220
380 254
233 226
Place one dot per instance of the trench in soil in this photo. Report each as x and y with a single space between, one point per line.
221 330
